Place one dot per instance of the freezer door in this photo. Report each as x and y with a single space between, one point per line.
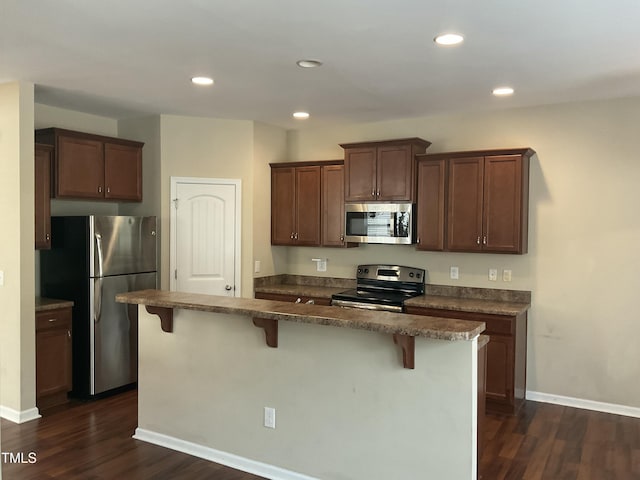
122 245
114 331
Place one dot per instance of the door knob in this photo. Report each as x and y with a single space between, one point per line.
228 287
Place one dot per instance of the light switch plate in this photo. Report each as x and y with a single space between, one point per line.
256 266
506 275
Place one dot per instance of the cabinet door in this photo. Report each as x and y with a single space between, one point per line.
360 174
464 212
122 172
53 356
502 203
283 185
79 168
431 204
394 173
307 231
500 360
333 205
42 198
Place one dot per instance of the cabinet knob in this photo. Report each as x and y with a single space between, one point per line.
291 236
108 189
378 193
99 189
373 193
69 333
342 238
418 240
478 240
484 240
47 237
295 236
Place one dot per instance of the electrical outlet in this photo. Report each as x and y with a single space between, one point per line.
269 417
322 265
506 275
256 266
453 273
493 274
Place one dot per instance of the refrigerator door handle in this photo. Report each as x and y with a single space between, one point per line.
97 300
99 251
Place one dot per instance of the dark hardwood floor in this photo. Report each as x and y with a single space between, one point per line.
92 440
552 442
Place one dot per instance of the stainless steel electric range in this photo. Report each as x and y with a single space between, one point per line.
382 287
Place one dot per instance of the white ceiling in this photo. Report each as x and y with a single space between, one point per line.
122 58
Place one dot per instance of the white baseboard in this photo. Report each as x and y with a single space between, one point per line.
228 459
585 404
16 416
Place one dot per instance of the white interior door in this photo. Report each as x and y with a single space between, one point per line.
205 231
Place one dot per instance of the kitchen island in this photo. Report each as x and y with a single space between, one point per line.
346 407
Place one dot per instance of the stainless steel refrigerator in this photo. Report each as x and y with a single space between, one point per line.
93 258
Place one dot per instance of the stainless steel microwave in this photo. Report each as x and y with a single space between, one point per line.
380 223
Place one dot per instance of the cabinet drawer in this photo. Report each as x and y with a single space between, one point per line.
59 318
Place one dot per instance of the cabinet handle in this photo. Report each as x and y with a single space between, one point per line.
373 193
47 237
53 319
299 300
342 238
378 193
99 189
69 333
418 240
291 236
295 236
478 240
108 189
484 240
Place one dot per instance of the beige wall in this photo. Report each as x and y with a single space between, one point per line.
17 317
345 407
270 146
584 232
208 148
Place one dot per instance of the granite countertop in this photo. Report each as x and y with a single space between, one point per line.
43 304
376 321
445 297
471 305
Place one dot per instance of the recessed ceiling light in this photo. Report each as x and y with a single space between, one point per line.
449 39
502 91
202 80
308 63
301 115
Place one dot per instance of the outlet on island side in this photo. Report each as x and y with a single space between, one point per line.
269 417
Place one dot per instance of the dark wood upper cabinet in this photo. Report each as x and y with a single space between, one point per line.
295 205
94 167
42 199
333 205
431 205
487 201
307 204
381 171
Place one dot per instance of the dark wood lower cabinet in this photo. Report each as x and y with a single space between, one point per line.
53 357
506 355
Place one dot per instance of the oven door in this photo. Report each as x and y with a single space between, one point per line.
379 223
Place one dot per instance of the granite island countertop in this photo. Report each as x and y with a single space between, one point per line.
375 321
462 299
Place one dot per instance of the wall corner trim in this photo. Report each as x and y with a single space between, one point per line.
228 459
612 408
16 416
